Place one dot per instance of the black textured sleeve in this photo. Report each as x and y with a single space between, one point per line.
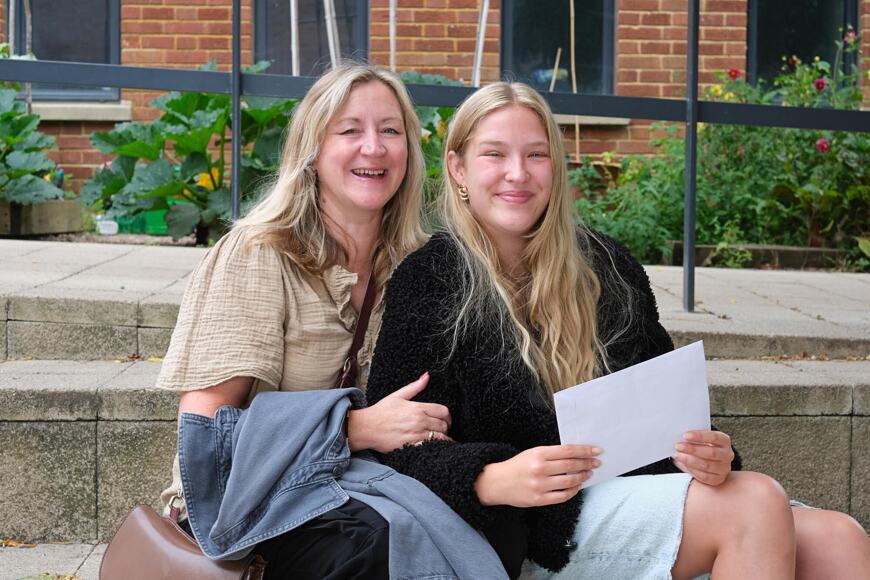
411 342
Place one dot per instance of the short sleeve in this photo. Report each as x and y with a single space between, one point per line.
231 320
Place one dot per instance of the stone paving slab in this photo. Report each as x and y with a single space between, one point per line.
54 340
124 391
81 560
764 388
54 390
76 306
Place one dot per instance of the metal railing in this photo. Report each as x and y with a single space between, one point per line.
690 110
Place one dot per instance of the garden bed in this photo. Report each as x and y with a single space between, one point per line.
763 256
48 217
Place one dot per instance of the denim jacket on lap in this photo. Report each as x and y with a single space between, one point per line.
250 475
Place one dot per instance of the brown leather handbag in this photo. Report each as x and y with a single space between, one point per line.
148 546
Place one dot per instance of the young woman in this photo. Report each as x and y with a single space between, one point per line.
514 302
273 305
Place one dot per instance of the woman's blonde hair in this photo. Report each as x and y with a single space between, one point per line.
288 217
550 314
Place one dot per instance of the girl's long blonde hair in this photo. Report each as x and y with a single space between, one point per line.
288 217
550 314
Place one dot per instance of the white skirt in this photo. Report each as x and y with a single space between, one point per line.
629 527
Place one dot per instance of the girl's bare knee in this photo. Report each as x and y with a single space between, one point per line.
758 490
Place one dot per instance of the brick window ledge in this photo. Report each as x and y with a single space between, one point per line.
589 120
78 111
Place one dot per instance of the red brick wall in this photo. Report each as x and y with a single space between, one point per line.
436 36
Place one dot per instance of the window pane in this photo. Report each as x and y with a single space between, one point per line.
313 42
73 31
539 30
806 28
70 30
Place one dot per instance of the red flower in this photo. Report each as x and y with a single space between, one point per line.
820 84
733 74
823 145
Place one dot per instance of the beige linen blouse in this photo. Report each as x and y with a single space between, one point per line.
249 311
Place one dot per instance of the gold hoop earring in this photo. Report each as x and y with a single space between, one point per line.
463 193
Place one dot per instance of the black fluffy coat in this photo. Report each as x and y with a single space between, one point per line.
495 403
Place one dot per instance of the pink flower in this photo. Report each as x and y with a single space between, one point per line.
850 37
733 74
820 84
823 145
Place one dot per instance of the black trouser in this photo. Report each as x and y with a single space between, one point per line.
348 542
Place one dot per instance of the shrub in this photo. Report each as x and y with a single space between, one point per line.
754 184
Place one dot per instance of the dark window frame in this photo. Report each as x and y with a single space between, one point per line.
851 16
361 27
608 60
75 93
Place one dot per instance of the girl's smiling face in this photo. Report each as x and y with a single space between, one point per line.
506 166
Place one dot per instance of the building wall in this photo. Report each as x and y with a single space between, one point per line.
436 36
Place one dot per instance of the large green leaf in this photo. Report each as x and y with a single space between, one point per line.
107 182
15 130
21 162
140 150
131 140
155 180
193 165
181 218
863 245
30 189
268 146
7 100
35 141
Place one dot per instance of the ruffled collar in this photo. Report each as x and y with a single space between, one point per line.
339 282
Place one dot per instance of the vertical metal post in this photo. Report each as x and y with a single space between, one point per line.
237 108
332 32
393 10
294 37
691 169
482 19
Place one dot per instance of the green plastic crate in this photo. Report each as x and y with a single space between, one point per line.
131 224
155 222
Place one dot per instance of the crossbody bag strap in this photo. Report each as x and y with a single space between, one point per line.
350 370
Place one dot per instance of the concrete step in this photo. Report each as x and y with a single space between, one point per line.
83 442
100 301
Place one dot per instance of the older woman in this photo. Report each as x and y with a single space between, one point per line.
512 303
274 304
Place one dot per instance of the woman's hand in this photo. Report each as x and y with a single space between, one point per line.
538 476
396 420
705 455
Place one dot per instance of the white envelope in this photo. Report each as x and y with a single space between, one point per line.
638 414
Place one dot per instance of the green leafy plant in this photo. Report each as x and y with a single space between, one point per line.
178 162
23 162
755 184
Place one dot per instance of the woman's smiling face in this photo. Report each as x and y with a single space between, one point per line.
364 155
506 166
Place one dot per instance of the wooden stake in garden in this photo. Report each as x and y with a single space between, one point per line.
555 69
294 37
332 32
481 35
393 9
574 87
